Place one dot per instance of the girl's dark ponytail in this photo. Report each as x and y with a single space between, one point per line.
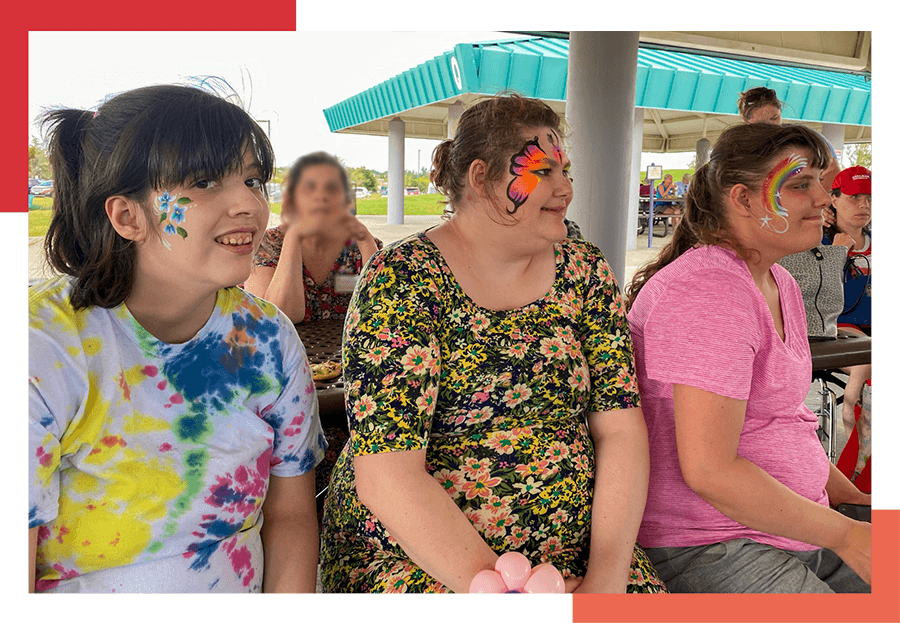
80 242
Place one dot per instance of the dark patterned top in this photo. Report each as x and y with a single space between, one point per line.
322 301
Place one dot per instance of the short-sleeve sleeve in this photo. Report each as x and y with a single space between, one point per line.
391 354
299 443
43 460
704 331
606 341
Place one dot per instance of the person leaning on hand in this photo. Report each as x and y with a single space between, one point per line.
491 394
309 264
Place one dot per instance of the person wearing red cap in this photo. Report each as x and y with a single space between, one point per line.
851 208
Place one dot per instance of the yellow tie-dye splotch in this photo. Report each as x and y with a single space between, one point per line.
113 526
92 346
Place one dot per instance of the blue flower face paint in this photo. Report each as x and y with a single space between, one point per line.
172 208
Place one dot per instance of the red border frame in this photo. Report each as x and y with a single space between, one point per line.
883 604
109 15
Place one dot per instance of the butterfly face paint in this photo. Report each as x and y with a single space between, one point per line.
524 165
172 208
771 191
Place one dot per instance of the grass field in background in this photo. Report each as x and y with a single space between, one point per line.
39 215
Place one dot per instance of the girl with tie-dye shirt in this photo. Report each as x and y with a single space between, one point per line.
174 426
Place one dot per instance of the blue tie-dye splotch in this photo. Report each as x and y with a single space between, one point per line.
204 549
190 373
32 514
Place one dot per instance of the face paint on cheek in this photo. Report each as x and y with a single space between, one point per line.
771 191
172 208
523 165
557 151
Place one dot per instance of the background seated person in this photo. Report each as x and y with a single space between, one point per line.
309 264
740 486
666 190
851 211
681 187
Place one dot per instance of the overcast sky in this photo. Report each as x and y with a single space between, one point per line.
288 78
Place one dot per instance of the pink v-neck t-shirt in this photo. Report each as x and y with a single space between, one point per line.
701 321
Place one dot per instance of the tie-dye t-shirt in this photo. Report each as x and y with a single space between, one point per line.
149 462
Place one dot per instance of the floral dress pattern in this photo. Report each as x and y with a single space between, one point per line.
497 398
322 301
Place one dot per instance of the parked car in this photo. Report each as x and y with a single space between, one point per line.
32 182
362 193
44 189
412 190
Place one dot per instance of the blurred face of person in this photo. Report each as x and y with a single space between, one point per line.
787 209
853 212
319 189
765 114
537 187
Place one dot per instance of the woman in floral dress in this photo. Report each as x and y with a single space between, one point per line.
491 393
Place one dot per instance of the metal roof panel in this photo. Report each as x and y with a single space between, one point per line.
666 79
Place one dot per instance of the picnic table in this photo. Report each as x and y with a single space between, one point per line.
322 340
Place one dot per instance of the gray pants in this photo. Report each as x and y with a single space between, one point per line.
745 566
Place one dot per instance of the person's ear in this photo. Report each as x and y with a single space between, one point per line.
127 217
739 197
477 177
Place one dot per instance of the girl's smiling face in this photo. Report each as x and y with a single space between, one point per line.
206 230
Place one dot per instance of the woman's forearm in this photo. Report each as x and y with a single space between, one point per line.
621 470
290 555
747 494
422 518
367 248
841 491
286 289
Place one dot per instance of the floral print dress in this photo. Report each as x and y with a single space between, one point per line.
498 399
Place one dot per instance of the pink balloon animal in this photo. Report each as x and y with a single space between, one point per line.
513 574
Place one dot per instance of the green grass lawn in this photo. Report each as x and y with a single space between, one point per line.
39 215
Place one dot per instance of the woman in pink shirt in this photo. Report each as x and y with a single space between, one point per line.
740 487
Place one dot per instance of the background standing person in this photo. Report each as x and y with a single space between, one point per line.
491 395
740 486
760 105
308 265
170 413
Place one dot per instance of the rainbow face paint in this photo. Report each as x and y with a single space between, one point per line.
771 190
172 208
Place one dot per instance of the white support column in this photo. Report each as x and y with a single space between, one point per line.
634 190
453 114
834 134
396 171
703 148
600 109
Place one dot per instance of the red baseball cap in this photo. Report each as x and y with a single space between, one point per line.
853 181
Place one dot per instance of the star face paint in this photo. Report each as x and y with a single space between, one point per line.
172 208
771 190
